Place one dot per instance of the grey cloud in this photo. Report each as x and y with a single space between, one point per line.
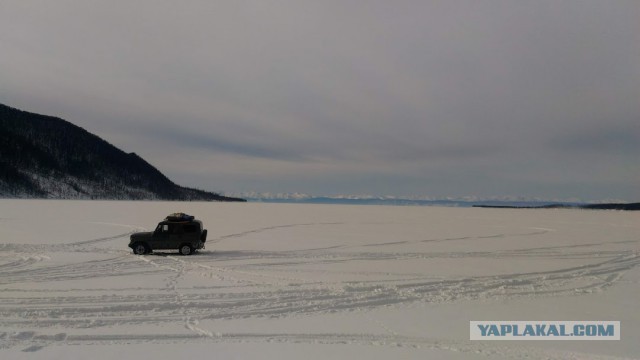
402 90
187 140
614 141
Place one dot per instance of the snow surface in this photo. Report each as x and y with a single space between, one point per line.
291 281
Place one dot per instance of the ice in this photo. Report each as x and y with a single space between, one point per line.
292 281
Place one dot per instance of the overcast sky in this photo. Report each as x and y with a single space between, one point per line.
438 98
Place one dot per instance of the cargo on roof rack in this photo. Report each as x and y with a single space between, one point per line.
180 217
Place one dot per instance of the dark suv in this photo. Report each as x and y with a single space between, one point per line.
178 231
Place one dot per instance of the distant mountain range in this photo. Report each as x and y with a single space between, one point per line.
467 201
47 157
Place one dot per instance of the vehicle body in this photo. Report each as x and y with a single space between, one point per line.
177 232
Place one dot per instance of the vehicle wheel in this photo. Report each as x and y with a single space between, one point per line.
185 249
140 249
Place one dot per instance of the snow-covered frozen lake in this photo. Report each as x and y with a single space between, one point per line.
311 281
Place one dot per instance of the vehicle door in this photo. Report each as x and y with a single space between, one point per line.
161 237
175 238
192 234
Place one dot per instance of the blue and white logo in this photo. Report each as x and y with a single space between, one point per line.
544 330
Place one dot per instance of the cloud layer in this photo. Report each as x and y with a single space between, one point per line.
407 97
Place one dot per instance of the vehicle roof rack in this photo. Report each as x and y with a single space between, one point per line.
180 217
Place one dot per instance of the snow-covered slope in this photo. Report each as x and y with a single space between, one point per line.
311 281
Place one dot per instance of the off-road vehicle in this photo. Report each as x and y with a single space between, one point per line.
178 231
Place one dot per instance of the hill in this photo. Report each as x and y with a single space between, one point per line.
47 157
609 206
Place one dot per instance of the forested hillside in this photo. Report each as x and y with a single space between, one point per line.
47 157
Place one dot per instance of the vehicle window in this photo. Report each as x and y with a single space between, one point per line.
190 228
165 228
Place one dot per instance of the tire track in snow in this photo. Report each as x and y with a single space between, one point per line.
356 295
539 231
169 306
258 293
36 342
120 265
77 246
268 228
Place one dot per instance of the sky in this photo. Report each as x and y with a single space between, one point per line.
454 98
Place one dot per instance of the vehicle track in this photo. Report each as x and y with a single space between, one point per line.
252 298
235 289
33 341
